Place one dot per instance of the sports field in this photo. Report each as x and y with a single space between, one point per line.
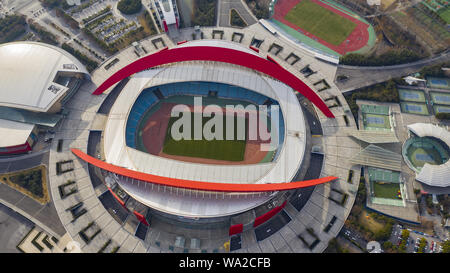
376 122
420 156
323 25
411 95
445 14
414 108
230 150
440 98
152 137
441 109
320 22
436 82
386 190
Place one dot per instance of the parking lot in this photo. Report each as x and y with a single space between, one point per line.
414 237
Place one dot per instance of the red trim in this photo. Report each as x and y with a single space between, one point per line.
266 216
117 198
166 29
196 185
254 49
235 229
141 218
182 42
17 149
272 60
217 54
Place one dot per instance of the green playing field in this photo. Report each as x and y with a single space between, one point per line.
386 190
320 22
230 150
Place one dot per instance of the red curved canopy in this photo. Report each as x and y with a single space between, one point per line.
217 54
197 185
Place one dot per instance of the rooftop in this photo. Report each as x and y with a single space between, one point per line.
27 71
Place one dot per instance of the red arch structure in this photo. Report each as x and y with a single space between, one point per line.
197 185
216 54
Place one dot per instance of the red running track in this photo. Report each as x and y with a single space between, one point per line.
357 39
197 185
216 54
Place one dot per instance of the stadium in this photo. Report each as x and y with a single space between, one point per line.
323 25
190 182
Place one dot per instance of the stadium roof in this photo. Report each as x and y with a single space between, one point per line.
290 157
284 168
193 198
14 133
216 52
373 136
27 71
375 156
433 175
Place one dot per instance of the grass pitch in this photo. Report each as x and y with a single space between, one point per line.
386 190
230 150
320 22
445 14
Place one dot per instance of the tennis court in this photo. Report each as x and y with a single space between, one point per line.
383 175
376 122
411 95
441 109
414 108
440 98
419 151
441 83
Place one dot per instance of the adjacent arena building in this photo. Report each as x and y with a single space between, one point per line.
37 80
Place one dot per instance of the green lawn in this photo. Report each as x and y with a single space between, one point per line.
320 22
445 14
386 190
230 150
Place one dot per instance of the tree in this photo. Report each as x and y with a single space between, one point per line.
443 116
446 246
129 6
387 245
204 13
422 245
405 234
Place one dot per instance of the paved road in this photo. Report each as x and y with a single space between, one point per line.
360 76
43 215
11 164
223 12
13 227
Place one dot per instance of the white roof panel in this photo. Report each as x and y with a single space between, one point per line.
433 175
27 70
14 133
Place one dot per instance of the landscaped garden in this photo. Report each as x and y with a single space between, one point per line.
31 182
